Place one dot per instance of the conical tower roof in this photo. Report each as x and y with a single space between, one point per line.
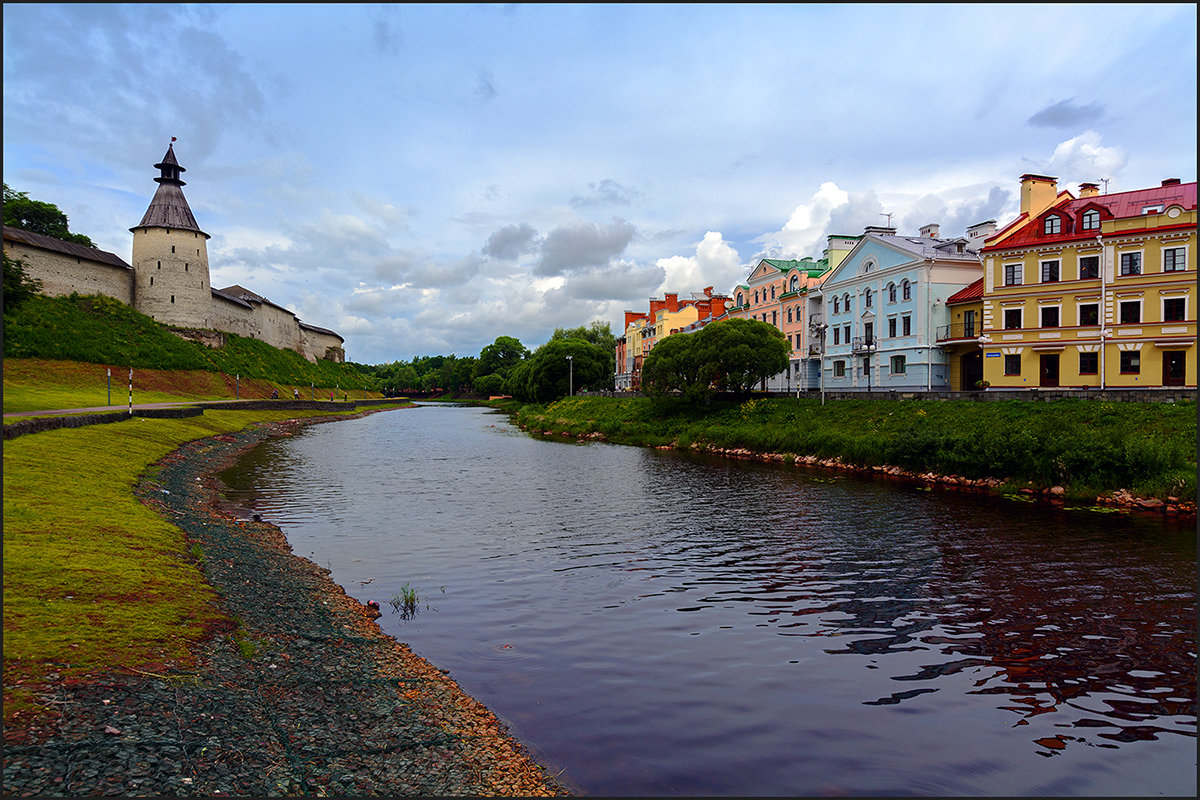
169 208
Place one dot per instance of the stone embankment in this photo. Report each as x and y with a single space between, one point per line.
1121 499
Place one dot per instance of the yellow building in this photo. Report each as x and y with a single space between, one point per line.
1096 291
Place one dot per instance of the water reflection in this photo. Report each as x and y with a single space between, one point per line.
664 623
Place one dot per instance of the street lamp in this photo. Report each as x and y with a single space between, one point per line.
869 347
818 329
571 378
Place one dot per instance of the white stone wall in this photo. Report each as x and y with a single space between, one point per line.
172 281
62 274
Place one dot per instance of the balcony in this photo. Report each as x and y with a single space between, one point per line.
958 330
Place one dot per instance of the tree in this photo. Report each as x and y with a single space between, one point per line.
547 374
739 353
598 333
500 356
18 286
673 366
38 217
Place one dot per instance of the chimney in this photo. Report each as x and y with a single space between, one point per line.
981 230
879 230
708 291
1171 182
672 302
1088 190
1037 193
930 231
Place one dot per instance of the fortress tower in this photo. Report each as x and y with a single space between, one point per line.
170 256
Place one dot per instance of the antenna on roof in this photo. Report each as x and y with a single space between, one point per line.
887 214
1105 182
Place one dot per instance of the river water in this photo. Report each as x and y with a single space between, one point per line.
658 623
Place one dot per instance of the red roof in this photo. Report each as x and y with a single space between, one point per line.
1121 205
972 292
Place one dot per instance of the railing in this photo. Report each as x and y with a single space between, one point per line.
958 330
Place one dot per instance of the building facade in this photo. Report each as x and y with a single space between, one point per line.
1096 291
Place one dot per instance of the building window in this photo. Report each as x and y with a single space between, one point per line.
837 304
795 283
892 327
837 335
1089 363
1131 362
1174 259
172 298
1050 317
789 313
839 368
160 265
151 280
774 318
866 364
906 290
891 292
772 292
1131 312
1050 272
846 333
1053 225
906 326
1131 263
969 322
1012 319
185 266
741 302
1091 220
1089 267
755 297
1174 309
1012 274
1012 365
869 333
898 365
867 298
846 302
172 248
1089 315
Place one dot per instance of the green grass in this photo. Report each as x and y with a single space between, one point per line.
1086 446
93 580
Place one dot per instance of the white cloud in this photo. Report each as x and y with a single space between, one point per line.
1084 158
716 263
804 232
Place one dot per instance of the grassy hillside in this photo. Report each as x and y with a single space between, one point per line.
100 330
1086 446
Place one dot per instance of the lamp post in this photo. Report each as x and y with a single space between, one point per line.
818 329
571 376
869 347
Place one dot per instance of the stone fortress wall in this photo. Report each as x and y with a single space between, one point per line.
169 278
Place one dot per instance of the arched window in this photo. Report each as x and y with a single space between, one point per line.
837 306
772 292
867 298
1091 220
795 283
1053 225
891 292
741 300
789 313
906 290
756 296
846 301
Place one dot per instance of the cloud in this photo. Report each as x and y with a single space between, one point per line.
1085 158
578 245
1065 114
616 281
605 193
804 232
485 89
953 218
715 264
511 242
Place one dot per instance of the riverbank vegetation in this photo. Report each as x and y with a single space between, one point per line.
1087 447
93 580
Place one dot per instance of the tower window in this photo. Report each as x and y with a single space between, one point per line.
185 266
151 280
172 298
160 265
172 248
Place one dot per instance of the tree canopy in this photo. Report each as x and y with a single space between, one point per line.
548 374
731 355
38 217
18 286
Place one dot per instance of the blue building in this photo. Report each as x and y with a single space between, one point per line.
876 315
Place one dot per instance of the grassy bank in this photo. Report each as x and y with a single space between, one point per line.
1085 446
93 580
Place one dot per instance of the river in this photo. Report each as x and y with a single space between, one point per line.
660 623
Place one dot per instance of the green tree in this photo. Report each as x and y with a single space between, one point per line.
38 217
674 365
18 286
598 333
500 356
548 374
737 354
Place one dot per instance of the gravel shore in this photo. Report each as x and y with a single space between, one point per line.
305 697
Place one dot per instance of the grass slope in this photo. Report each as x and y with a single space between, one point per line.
1086 446
93 580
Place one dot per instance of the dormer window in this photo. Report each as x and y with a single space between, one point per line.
1152 209
1091 220
795 283
741 300
1052 225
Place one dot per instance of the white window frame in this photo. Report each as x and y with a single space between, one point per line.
1016 271
1042 319
1042 270
1141 315
902 361
1182 251
1087 216
1055 221
1163 309
1079 267
1141 257
1079 323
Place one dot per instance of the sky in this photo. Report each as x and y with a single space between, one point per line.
423 179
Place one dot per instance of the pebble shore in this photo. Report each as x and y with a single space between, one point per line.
304 695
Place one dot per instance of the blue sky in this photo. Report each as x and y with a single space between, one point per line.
425 178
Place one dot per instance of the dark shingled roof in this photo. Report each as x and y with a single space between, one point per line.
242 293
326 331
169 208
66 248
217 293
